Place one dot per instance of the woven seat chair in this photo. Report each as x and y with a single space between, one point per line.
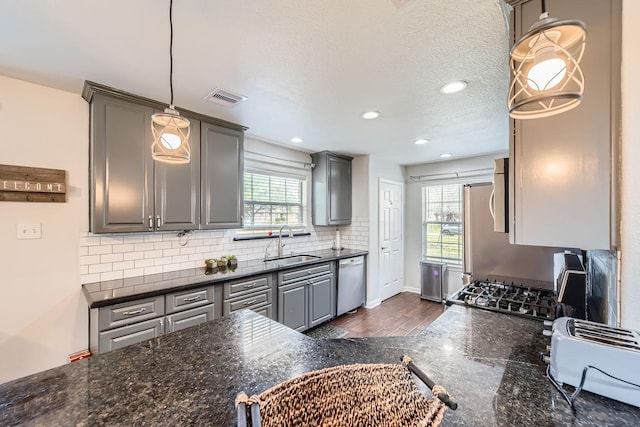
348 395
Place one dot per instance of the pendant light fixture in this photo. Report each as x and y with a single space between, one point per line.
545 66
170 131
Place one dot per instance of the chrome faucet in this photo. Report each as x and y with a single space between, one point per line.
280 245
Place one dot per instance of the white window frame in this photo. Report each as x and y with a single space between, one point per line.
454 262
254 166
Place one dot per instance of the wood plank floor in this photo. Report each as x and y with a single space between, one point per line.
404 314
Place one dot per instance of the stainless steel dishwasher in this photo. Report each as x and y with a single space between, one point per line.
351 284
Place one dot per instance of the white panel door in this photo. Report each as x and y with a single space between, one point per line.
390 260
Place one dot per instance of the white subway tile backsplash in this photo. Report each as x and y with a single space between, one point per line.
90 278
112 275
161 245
110 240
152 237
132 256
142 263
124 265
179 258
99 250
133 272
90 241
170 252
133 238
100 268
153 254
140 254
143 247
90 259
128 247
111 258
152 270
162 261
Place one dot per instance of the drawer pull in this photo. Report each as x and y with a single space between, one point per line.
196 298
250 302
134 312
251 285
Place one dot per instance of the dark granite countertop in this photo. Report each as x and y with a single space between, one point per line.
100 294
487 362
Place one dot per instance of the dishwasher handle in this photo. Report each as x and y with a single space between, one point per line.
352 261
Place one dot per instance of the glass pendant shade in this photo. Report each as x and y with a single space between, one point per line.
545 67
170 137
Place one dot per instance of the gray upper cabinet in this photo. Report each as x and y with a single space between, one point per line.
121 165
331 188
177 187
564 167
221 177
131 192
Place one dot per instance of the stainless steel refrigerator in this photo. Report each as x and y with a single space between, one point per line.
489 255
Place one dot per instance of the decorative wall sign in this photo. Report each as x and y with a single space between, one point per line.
25 184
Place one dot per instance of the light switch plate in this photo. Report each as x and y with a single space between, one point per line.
29 231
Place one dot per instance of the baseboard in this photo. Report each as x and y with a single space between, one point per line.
412 290
372 304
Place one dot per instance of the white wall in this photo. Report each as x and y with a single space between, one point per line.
43 314
630 153
413 210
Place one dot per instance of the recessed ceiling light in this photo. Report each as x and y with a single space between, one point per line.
420 141
296 139
369 115
453 87
445 155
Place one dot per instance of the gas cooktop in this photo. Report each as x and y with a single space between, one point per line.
507 298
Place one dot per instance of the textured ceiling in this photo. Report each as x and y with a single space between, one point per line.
309 68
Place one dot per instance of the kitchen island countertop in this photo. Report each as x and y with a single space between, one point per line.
487 361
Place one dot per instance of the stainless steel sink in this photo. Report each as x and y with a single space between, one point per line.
289 260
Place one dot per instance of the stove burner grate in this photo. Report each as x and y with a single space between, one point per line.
507 298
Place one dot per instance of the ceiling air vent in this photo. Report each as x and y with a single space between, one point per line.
225 97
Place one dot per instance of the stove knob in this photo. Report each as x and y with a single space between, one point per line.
549 349
547 333
544 357
548 323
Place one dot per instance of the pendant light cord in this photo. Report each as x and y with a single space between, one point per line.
544 6
171 50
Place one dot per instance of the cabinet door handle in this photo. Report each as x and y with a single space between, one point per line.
170 326
158 221
383 248
161 327
196 298
150 223
134 312
250 302
250 285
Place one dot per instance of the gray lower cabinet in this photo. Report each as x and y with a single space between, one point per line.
321 300
132 322
253 293
188 318
293 307
221 174
306 296
331 189
131 334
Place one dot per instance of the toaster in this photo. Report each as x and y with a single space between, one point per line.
610 355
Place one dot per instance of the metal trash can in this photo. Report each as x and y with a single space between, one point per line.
432 280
